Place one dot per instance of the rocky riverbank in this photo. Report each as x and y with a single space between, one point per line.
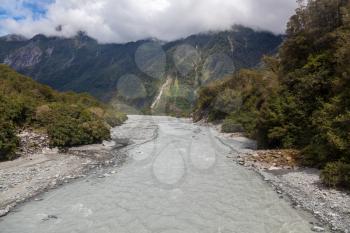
40 168
300 185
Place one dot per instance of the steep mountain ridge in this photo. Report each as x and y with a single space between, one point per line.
81 64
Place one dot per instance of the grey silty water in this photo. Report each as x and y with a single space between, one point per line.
177 180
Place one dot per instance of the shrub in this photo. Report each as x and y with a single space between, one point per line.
69 132
70 119
97 130
300 100
205 100
231 126
315 155
109 115
336 174
114 118
16 109
71 125
8 141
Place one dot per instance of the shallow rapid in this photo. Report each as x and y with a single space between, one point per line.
178 178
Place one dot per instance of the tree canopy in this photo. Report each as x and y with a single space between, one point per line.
300 98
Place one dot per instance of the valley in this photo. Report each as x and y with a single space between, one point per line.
81 64
171 120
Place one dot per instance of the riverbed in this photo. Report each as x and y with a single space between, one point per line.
178 177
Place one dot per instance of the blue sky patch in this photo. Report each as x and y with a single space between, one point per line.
20 10
38 8
23 9
3 13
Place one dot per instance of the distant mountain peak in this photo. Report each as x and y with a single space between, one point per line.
84 37
39 37
13 37
81 64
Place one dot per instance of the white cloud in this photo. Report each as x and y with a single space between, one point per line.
128 20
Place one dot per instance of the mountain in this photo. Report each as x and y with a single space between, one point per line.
141 74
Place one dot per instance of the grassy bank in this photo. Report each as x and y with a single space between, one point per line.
69 119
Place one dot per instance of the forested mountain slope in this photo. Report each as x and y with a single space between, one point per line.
299 99
81 64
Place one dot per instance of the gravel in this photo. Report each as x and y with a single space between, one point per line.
304 189
39 171
301 186
40 168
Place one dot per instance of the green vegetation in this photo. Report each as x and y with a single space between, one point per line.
209 57
81 64
8 140
336 174
239 100
231 126
69 119
301 98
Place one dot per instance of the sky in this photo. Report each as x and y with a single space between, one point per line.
122 21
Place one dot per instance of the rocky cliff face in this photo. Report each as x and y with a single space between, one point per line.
27 56
81 64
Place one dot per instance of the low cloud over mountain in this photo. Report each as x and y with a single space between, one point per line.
128 20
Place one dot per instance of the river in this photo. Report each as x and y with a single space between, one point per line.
178 178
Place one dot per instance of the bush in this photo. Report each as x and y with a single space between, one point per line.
336 174
300 100
315 155
70 119
8 141
231 126
16 109
69 132
71 125
114 118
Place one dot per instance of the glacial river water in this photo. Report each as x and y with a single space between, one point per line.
178 178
